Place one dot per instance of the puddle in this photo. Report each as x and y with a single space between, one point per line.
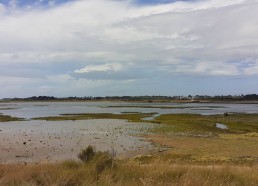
221 126
151 117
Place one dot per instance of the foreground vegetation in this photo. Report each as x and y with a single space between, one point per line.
127 172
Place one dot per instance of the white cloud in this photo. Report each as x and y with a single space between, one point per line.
214 69
100 68
209 31
63 78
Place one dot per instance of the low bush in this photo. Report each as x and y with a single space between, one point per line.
101 160
87 154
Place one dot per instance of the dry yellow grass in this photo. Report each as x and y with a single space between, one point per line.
128 173
235 148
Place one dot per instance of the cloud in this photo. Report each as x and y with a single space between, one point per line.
100 68
99 40
251 67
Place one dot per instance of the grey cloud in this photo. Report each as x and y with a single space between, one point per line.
200 38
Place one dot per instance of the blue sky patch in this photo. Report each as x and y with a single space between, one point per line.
146 2
23 3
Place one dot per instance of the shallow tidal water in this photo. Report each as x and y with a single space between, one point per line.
43 109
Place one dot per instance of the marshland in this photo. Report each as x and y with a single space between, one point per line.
146 143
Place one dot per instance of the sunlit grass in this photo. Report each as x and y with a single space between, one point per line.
195 123
132 117
193 138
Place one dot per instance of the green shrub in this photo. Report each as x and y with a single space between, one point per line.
87 154
101 160
226 114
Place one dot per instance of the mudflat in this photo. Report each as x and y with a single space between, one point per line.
38 141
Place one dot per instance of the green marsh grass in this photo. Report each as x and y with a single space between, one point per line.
195 123
5 118
132 117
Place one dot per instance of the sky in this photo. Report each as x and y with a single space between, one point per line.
128 47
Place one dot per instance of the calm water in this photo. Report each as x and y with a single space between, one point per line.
31 110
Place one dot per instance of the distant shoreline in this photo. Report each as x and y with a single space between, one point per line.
137 101
245 99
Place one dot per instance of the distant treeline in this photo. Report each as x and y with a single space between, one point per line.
196 98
